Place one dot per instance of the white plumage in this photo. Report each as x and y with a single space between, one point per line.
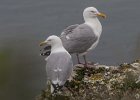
59 63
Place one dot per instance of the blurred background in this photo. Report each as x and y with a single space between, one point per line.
25 23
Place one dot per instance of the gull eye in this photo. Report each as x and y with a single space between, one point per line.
92 11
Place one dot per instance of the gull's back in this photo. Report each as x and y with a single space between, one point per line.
78 39
59 67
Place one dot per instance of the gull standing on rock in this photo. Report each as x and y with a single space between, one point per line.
59 63
82 38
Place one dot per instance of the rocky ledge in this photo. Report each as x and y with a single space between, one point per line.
100 82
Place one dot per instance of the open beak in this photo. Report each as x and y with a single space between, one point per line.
101 15
43 43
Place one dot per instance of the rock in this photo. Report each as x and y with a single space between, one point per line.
100 82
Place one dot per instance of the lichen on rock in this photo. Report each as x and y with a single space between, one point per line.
100 82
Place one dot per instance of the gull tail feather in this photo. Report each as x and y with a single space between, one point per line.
52 89
55 88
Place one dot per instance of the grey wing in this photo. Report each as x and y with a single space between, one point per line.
50 67
47 49
69 29
67 67
79 40
59 66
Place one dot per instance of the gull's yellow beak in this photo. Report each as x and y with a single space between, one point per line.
101 15
43 43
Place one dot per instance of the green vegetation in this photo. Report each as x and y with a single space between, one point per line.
4 67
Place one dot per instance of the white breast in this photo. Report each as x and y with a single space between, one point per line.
97 29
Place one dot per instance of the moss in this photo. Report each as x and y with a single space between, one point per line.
121 83
130 82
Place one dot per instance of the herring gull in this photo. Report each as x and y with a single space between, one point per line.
82 38
59 63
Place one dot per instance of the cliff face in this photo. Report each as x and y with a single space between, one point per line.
100 82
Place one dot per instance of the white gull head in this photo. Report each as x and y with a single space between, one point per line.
91 13
55 43
53 40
